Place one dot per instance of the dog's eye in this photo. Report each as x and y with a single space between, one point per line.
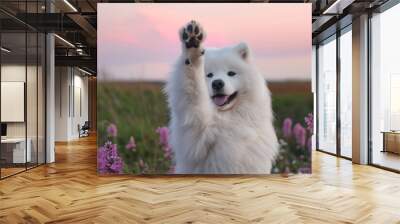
210 75
230 73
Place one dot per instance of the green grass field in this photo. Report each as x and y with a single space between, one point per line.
137 109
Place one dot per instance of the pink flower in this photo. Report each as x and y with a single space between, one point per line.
299 133
167 153
131 144
287 127
108 159
164 133
112 130
309 119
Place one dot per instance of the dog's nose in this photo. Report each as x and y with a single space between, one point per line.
217 84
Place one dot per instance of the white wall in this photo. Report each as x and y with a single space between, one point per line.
33 126
12 73
16 73
70 84
62 81
80 110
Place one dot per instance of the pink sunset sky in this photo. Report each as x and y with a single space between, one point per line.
140 41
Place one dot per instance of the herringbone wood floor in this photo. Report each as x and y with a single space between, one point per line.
70 191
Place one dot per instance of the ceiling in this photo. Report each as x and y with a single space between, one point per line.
75 21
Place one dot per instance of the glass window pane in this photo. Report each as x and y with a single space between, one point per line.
327 96
13 86
22 88
346 94
32 87
41 98
385 114
31 97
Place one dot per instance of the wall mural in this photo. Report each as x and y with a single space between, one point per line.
204 88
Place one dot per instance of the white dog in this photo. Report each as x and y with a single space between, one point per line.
221 116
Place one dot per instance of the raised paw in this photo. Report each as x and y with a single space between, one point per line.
192 35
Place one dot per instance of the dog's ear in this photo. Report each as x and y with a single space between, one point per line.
243 50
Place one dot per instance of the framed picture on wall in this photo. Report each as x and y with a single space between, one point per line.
197 89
